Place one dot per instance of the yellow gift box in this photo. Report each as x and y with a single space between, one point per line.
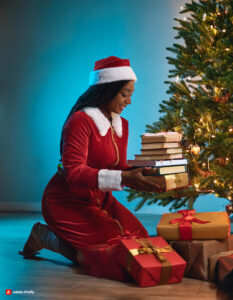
217 225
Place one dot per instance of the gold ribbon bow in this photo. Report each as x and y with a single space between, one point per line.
147 247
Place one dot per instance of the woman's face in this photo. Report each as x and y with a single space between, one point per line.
122 99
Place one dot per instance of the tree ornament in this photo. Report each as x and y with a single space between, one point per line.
185 144
196 149
221 161
229 209
222 95
205 173
217 91
223 99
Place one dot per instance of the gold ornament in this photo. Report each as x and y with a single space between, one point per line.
217 91
195 149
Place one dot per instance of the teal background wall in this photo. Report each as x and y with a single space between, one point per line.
47 50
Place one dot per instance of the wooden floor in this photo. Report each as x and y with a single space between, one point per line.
55 277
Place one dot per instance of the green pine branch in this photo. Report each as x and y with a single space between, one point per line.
200 104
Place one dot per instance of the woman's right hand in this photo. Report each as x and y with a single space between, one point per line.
137 181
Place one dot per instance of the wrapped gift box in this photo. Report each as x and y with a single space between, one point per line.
100 261
225 274
225 266
188 225
151 261
197 254
213 264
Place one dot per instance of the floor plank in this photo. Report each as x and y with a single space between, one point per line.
53 276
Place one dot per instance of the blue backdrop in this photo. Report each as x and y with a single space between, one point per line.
47 50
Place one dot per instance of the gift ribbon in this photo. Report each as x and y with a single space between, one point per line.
147 247
185 223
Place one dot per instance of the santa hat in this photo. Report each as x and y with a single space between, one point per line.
111 69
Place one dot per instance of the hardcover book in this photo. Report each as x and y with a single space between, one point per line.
159 156
161 137
161 151
157 163
165 170
159 145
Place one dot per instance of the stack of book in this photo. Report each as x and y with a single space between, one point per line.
163 153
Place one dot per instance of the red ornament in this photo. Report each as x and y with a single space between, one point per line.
205 173
223 99
229 209
221 161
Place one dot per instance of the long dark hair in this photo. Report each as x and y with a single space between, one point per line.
95 96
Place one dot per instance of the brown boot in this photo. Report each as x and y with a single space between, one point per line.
42 236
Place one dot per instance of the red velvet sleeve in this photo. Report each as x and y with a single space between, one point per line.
125 165
75 150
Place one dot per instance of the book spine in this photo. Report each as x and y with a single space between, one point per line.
161 172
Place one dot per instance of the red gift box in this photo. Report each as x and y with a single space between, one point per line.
151 261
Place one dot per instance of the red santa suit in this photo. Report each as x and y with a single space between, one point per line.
78 205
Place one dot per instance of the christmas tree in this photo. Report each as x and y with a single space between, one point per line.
201 103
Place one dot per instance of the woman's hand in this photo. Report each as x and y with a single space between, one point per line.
135 180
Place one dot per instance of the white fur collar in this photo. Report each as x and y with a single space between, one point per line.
102 122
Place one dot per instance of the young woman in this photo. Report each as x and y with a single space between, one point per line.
83 218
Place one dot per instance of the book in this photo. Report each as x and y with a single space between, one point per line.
157 163
162 151
158 157
159 145
171 182
165 170
161 137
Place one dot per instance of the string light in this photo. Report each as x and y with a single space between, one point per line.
177 78
224 30
215 181
182 7
203 165
204 16
231 130
229 198
227 49
213 136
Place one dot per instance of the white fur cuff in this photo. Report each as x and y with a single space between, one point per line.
109 180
